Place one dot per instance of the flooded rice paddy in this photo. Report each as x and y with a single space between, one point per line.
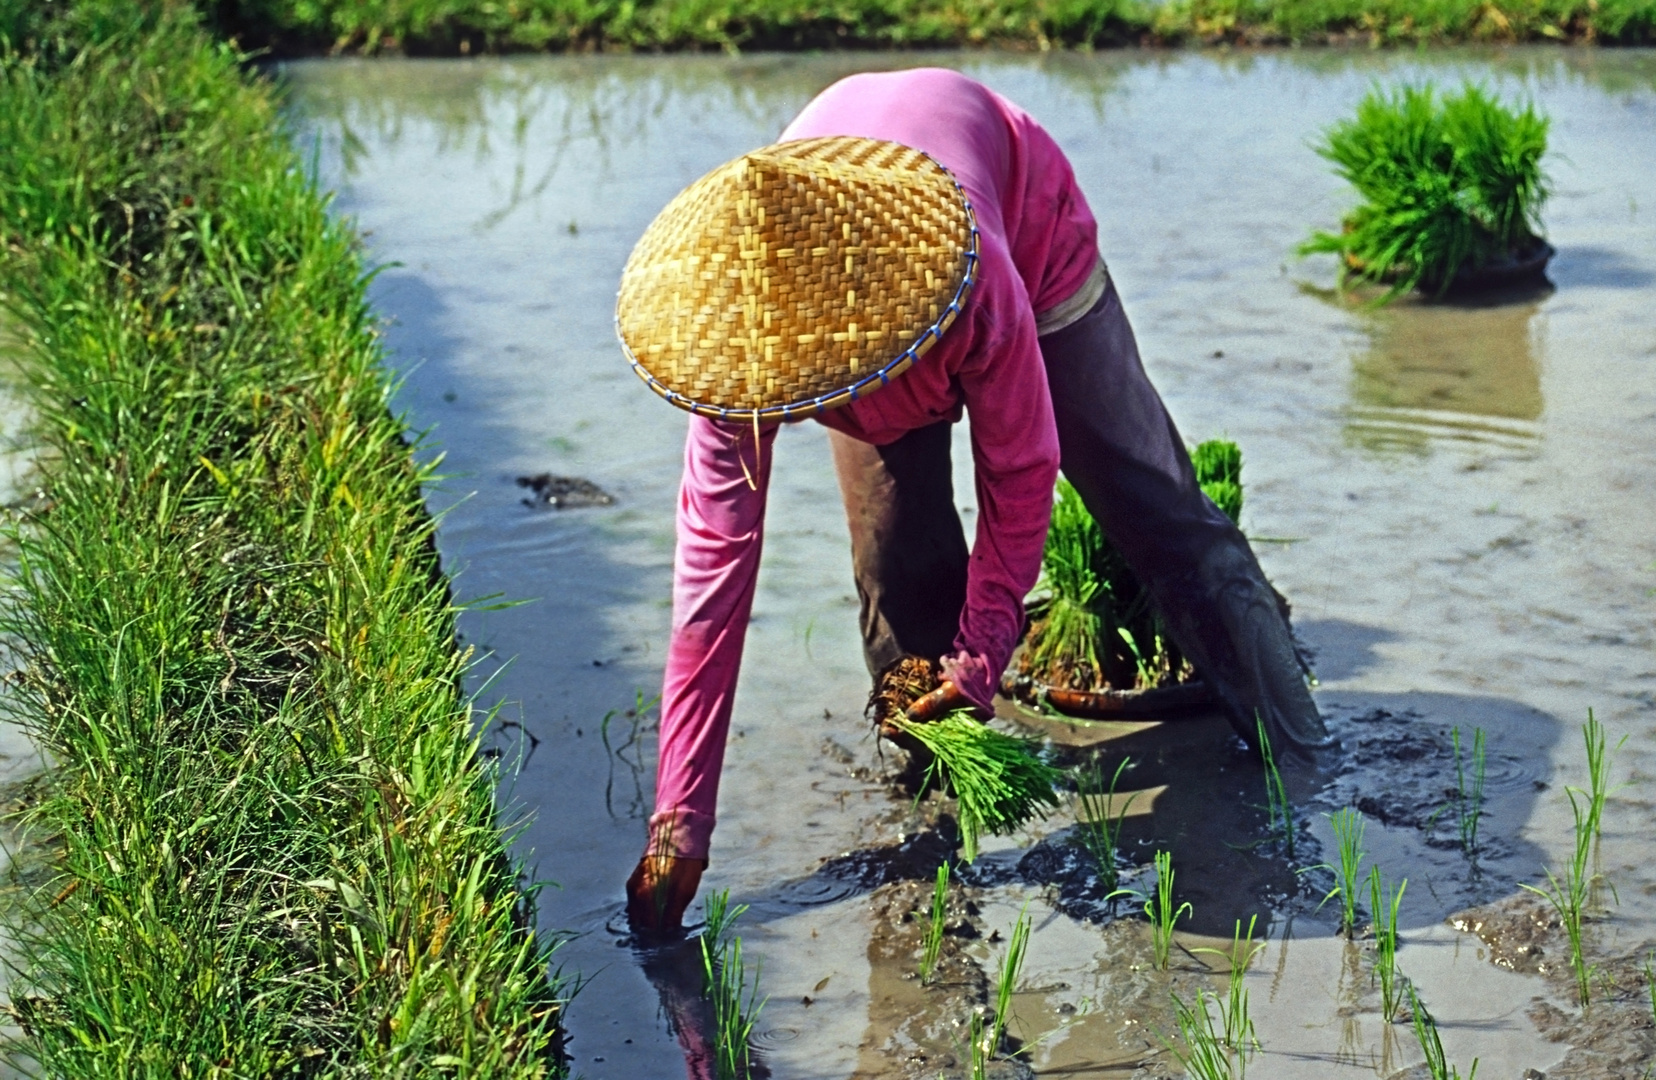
1458 499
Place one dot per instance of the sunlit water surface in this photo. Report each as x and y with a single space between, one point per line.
1468 492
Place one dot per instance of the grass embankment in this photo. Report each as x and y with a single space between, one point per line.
449 26
271 845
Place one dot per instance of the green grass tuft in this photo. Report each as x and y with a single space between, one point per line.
270 835
998 780
1446 181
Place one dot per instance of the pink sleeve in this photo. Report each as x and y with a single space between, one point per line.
721 514
1015 451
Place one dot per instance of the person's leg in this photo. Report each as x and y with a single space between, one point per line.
1120 449
908 550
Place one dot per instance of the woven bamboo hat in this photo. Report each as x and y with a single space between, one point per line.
797 278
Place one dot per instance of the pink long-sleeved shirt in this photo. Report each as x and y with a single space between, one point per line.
1038 243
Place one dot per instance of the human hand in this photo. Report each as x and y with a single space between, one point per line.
660 888
947 698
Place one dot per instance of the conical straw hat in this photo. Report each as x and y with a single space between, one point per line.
797 278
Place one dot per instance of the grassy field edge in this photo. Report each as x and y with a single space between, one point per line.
269 844
469 26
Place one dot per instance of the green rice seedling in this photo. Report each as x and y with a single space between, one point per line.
1384 906
1100 828
1349 827
1598 778
1469 797
979 1049
1007 981
1161 912
1426 1032
1203 1055
1650 982
735 1000
1446 182
1239 1036
998 779
1570 893
1277 806
934 928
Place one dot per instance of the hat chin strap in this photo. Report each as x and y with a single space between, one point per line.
758 449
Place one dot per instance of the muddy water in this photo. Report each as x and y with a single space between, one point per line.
1458 501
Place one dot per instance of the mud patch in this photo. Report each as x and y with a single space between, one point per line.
1614 1038
1399 769
916 1031
563 492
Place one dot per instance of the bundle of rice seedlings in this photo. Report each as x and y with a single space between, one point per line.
998 780
1218 465
1447 182
1070 628
1092 626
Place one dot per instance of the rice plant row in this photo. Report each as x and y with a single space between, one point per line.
273 839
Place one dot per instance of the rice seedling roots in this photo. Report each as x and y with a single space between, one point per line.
269 803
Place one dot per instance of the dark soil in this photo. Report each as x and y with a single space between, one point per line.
563 492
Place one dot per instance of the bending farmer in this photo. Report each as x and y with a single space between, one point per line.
913 248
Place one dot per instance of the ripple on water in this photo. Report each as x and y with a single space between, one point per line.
771 1038
1395 430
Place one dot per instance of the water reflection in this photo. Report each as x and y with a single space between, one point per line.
1459 373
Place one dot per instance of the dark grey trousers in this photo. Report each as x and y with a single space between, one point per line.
1120 449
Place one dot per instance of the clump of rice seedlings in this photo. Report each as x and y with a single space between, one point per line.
1349 827
1277 806
1100 824
934 928
1067 642
1447 182
1218 466
1093 626
1204 1055
1239 1037
1384 905
1007 981
735 1000
1426 1032
998 780
1469 797
1161 912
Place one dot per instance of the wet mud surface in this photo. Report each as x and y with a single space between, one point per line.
1456 497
